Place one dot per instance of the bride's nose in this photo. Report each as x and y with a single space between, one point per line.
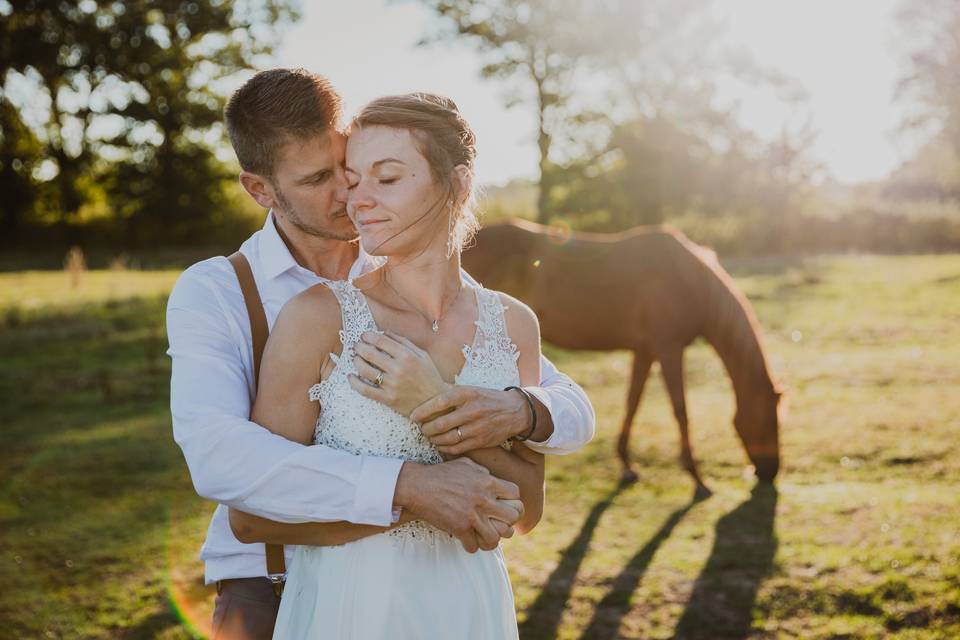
359 198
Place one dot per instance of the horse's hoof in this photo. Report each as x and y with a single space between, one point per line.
629 476
702 492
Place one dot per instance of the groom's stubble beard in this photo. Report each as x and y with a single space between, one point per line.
289 213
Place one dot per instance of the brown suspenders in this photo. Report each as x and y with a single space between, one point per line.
276 566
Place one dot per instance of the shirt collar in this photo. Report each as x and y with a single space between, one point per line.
275 257
365 263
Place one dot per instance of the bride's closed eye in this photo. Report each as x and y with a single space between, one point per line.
353 184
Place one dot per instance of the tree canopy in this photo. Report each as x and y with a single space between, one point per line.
121 103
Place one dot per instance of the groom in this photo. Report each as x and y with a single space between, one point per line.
283 126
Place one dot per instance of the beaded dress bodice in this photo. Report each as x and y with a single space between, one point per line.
354 423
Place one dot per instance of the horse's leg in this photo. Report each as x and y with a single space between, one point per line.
671 366
642 360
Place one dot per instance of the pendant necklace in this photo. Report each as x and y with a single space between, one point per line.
435 324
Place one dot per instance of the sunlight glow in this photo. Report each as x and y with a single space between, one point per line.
842 53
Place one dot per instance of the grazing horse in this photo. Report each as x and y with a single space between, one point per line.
649 290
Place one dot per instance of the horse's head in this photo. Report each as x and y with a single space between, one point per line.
758 425
500 257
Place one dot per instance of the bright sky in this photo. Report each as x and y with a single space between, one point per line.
843 53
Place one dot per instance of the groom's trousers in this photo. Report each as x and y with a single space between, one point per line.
245 609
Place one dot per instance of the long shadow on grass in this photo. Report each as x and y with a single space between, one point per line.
543 616
615 605
725 591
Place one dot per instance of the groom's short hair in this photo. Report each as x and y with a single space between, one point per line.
275 107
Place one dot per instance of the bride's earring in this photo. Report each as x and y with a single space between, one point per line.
449 228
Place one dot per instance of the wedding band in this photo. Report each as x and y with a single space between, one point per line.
379 379
459 435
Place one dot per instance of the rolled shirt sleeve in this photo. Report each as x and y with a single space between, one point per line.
574 420
234 461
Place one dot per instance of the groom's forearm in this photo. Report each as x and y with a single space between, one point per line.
538 426
236 462
246 467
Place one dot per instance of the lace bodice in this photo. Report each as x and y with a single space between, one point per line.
354 423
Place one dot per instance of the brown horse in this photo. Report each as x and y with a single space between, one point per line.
649 290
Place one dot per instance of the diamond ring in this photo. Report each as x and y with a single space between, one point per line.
379 379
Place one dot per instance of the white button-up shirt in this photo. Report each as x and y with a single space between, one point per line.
238 463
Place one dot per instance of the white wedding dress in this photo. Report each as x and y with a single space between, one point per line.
412 581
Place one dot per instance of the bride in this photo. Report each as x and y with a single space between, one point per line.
409 165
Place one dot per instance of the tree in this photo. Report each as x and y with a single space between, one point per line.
125 95
675 147
20 153
615 85
536 42
931 85
932 79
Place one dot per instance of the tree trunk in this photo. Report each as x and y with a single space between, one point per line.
543 144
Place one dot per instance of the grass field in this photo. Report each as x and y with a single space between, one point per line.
860 538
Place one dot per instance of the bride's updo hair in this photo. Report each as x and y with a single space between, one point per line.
445 140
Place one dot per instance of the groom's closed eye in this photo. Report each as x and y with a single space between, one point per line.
317 177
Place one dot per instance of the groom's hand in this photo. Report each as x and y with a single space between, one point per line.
461 497
465 419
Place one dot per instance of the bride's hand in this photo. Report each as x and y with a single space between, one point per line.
408 376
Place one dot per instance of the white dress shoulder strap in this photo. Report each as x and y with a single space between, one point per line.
354 312
355 318
493 324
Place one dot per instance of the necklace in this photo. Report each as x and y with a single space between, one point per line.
435 324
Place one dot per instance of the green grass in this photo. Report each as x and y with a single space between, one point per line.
860 539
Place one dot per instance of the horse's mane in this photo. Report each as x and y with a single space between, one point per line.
734 326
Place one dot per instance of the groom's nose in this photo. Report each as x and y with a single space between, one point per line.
340 191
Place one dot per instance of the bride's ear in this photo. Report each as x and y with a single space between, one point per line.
463 183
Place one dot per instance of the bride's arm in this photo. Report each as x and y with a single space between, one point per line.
305 333
521 465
